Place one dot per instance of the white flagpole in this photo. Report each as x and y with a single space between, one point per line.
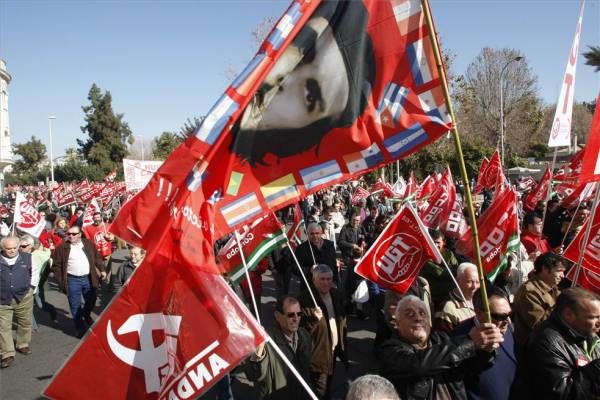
586 237
562 242
237 240
312 296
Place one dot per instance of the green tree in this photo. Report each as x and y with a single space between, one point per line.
32 154
108 134
593 57
75 169
165 144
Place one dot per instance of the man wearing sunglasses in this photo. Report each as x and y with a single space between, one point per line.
495 382
273 379
78 268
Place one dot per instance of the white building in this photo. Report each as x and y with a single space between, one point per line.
6 156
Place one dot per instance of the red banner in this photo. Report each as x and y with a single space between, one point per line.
540 192
492 174
590 168
373 95
587 279
170 333
359 195
498 229
440 203
481 174
396 257
591 258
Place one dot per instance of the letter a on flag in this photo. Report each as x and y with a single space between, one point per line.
396 257
171 333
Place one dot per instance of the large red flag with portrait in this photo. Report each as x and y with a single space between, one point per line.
171 333
337 89
591 252
396 257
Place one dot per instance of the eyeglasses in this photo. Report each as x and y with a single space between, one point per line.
294 314
24 245
73 233
501 317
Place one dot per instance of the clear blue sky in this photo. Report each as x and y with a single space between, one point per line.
165 61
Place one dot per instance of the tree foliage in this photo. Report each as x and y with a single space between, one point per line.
31 156
165 144
108 134
77 170
593 57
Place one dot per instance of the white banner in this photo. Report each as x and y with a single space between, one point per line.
27 218
138 173
560 134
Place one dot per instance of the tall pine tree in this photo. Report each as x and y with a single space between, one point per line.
108 133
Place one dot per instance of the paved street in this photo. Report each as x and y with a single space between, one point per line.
53 342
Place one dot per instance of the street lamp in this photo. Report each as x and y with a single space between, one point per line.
50 118
517 58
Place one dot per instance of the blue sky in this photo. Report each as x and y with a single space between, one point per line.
165 61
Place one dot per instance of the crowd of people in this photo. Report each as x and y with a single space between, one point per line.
430 343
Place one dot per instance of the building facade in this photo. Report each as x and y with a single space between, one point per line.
6 156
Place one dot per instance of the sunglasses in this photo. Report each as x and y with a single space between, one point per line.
501 317
73 233
294 314
24 245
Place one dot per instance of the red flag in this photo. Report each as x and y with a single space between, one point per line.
297 234
88 215
27 218
493 173
527 183
587 279
480 175
498 229
426 187
359 195
396 257
111 176
385 187
171 332
590 168
376 97
581 193
540 192
455 225
411 187
440 203
591 258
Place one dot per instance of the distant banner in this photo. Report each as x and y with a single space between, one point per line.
138 173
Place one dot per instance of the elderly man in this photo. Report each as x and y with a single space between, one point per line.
327 326
456 309
371 387
535 299
563 355
78 268
272 378
19 275
425 364
317 250
494 383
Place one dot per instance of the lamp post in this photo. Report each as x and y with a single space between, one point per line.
517 58
50 118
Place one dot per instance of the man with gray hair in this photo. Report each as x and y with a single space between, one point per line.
317 250
458 309
18 277
427 364
326 323
371 387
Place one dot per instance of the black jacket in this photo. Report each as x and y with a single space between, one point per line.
555 361
416 373
324 255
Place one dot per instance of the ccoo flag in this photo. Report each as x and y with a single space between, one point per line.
396 257
306 113
560 134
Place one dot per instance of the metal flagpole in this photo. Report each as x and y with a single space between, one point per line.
549 192
586 237
237 240
312 296
562 242
463 169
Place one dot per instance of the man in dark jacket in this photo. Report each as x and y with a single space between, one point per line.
78 267
429 365
317 250
563 355
272 378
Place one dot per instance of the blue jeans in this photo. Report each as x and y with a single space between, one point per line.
80 286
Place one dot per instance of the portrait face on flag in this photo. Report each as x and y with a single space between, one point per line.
322 81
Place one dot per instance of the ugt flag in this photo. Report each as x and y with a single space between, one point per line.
257 241
591 252
396 257
171 333
338 88
27 218
590 169
498 229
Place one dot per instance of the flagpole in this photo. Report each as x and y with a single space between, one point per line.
549 192
237 240
312 296
586 237
562 242
463 169
291 367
